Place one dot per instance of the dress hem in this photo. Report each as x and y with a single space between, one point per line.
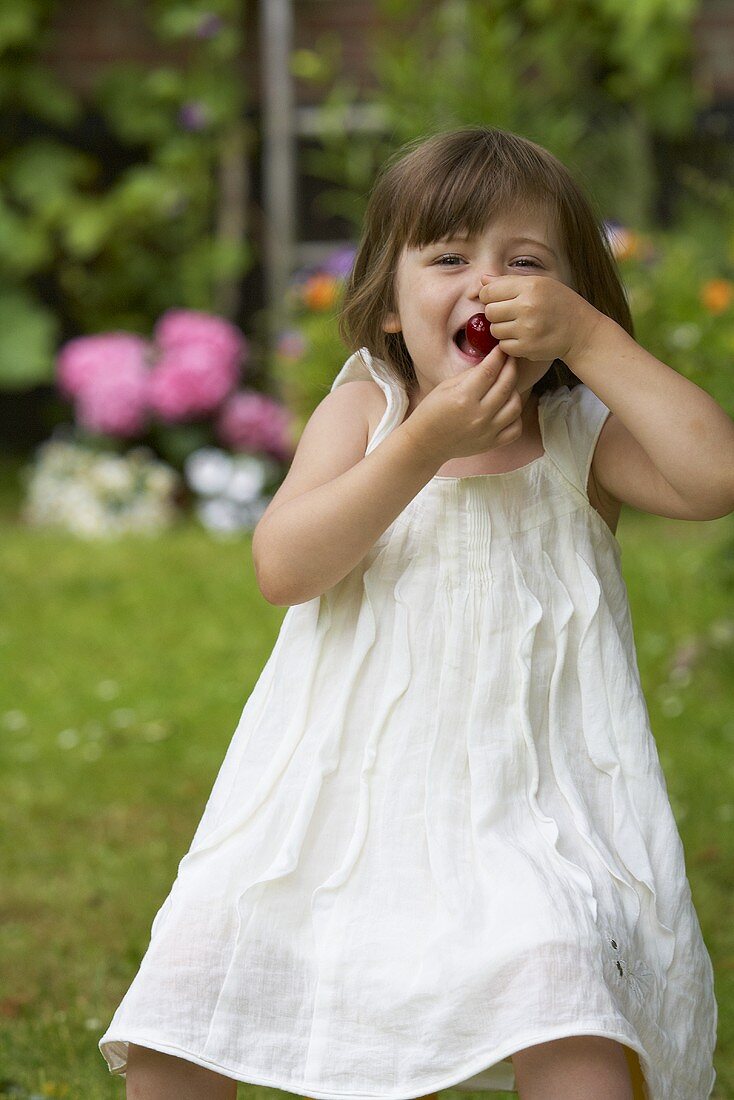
474 1068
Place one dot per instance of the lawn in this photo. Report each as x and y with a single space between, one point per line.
130 663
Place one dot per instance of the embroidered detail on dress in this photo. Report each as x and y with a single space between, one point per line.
630 971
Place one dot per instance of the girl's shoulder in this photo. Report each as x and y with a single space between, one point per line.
381 391
333 440
372 401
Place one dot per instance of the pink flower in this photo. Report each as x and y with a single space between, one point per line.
251 421
114 403
86 358
190 380
191 326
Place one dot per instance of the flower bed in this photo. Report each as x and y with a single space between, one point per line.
178 402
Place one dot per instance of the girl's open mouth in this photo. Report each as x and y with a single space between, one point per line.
469 353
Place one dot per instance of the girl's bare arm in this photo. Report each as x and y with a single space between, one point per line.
335 501
668 447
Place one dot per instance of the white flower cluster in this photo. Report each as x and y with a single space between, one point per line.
98 495
229 488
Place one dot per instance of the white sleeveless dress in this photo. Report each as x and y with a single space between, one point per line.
440 832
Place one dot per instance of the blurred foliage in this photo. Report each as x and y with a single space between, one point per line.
681 289
594 81
308 355
114 253
304 380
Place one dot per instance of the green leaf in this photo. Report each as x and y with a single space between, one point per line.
19 25
28 337
179 21
43 171
26 245
87 231
138 103
37 88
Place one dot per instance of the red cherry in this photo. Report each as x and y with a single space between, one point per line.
479 335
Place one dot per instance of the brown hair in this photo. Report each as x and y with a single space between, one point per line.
456 182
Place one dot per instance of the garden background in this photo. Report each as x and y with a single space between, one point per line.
181 185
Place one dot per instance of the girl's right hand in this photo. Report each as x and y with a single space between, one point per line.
471 412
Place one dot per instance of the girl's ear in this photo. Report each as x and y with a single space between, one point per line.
391 323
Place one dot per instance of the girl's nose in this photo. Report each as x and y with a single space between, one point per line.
478 285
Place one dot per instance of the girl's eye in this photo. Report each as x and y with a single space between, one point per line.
446 259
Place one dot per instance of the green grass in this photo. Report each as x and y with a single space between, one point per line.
131 662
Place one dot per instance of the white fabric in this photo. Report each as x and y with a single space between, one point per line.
440 832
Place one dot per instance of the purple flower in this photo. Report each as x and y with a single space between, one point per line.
190 380
194 115
291 344
84 358
210 25
340 262
251 421
192 326
114 404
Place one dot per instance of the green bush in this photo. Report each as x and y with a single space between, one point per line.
596 83
114 254
681 288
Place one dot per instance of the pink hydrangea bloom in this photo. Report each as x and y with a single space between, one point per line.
114 403
191 380
191 326
85 358
251 421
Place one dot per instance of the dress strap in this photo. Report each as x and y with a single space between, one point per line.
363 365
571 422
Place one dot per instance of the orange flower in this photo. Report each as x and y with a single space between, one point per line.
717 294
624 242
319 292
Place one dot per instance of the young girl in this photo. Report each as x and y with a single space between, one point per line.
439 852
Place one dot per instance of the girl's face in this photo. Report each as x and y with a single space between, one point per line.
437 291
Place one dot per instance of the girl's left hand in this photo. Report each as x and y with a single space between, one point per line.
537 317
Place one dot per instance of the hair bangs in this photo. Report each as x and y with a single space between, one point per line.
480 183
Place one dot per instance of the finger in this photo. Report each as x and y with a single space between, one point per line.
488 370
510 411
500 311
511 348
511 407
508 434
508 416
501 387
494 355
503 330
499 288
